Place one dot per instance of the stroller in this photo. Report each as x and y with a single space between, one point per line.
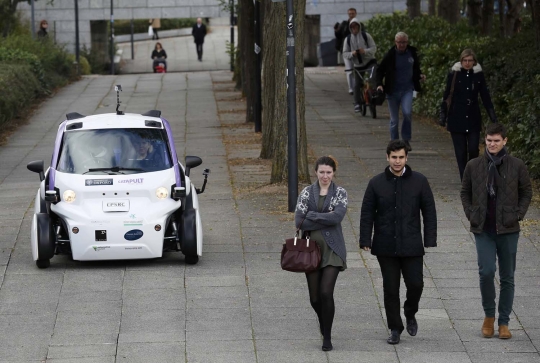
372 97
160 65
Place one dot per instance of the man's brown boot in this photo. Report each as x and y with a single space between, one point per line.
504 333
488 329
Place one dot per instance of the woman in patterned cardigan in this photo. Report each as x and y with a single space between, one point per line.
319 211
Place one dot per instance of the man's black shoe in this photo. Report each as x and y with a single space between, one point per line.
394 337
412 327
408 145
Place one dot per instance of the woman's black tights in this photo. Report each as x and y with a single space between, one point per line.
321 285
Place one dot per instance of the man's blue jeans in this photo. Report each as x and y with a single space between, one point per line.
403 99
489 248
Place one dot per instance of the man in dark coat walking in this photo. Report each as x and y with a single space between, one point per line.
199 32
495 193
400 70
392 204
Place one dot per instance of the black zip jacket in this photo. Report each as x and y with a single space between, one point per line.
387 70
392 207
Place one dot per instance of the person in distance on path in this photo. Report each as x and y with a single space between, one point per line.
341 31
319 211
391 207
495 193
199 32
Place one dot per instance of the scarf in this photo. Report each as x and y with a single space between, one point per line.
493 174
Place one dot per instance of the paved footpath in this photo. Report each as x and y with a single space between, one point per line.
237 305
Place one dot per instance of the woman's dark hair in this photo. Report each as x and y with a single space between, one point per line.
396 145
326 160
161 46
496 129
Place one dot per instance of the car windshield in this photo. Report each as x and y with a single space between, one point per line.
114 151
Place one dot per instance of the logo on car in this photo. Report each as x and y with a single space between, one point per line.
94 182
133 235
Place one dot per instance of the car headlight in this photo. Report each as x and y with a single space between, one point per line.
162 193
69 196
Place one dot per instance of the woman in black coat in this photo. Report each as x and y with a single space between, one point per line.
464 119
159 55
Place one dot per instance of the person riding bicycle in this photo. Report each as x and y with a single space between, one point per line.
360 48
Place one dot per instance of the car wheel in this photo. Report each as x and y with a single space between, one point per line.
43 263
46 239
189 232
192 259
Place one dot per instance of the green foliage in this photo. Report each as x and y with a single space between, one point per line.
510 65
18 86
122 27
18 56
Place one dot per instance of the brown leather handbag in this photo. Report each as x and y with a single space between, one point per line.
300 254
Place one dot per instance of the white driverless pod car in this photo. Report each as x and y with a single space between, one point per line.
116 190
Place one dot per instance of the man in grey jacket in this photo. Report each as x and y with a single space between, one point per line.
359 47
495 193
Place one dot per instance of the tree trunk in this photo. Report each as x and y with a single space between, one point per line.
237 73
502 33
432 7
449 10
247 54
8 8
474 12
536 20
487 17
413 8
514 9
275 128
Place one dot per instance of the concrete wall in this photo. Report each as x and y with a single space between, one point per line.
62 13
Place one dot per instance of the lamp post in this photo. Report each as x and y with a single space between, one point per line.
231 3
258 91
291 110
112 38
77 53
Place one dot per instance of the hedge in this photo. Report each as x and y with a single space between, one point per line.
18 87
510 65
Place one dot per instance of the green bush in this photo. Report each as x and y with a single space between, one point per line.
512 76
18 86
17 56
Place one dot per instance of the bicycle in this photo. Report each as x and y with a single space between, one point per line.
372 97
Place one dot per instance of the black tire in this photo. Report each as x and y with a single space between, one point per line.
43 263
46 239
363 109
189 232
192 259
373 110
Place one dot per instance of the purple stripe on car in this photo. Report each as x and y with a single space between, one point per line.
54 160
173 152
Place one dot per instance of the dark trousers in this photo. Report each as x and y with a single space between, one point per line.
199 50
412 269
465 147
490 248
358 88
155 36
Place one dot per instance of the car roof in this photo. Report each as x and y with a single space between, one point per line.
113 121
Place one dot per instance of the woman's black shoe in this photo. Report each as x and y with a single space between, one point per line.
327 345
394 337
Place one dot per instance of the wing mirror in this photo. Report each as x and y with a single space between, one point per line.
192 162
37 167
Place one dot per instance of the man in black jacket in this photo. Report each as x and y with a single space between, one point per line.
199 32
400 69
495 193
341 31
392 204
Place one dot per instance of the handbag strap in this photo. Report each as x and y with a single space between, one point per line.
449 98
298 229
